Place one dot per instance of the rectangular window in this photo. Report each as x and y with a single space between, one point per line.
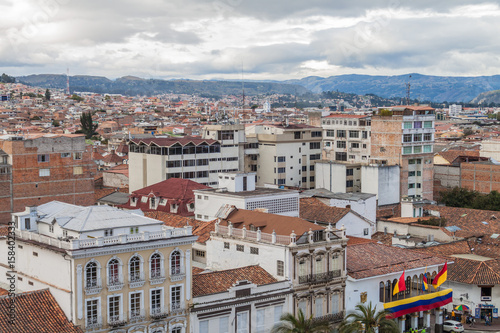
417 149
280 268
224 324
408 124
281 170
365 231
77 156
406 150
254 250
296 135
419 185
411 173
427 136
407 138
188 163
354 134
155 301
77 170
43 158
114 308
261 323
349 183
240 247
92 314
417 137
412 185
427 124
316 134
427 149
64 155
355 145
340 156
311 179
242 321
44 172
341 144
27 224
278 312
365 134
417 124
203 326
135 305
281 182
226 245
199 253
314 145
341 134
281 158
175 297
314 157
330 133
349 172
108 232
174 164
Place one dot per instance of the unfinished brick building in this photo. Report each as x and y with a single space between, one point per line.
38 168
404 136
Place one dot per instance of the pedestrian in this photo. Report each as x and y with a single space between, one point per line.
453 315
472 321
487 320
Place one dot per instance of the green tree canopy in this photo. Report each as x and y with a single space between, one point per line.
88 127
47 95
300 324
7 78
367 316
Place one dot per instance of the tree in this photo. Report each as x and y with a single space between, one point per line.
47 95
291 324
56 123
7 79
77 98
367 316
88 127
468 132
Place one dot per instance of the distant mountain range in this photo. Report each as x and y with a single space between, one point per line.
132 86
423 87
488 97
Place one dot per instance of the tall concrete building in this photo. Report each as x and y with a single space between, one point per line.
404 136
346 138
283 154
38 168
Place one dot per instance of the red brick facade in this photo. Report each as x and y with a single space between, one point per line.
46 168
482 177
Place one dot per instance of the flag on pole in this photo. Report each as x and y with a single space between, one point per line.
400 285
441 276
425 286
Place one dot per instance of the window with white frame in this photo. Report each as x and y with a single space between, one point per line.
176 297
261 322
319 307
319 264
224 324
135 305
303 306
280 267
278 312
204 326
156 269
114 308
92 312
336 263
44 172
135 269
114 272
175 263
156 301
334 303
177 329
91 275
242 322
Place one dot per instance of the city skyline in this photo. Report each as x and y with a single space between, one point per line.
231 39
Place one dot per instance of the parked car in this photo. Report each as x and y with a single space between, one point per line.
452 326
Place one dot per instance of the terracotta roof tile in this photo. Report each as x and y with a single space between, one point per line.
36 311
474 272
312 209
220 281
197 270
371 259
3 292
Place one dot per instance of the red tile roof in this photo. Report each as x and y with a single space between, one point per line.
282 225
475 272
200 229
371 259
220 281
173 188
312 209
36 311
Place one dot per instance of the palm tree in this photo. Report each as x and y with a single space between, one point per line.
371 320
291 324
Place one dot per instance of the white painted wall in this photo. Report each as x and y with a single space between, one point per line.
382 181
355 226
331 176
366 208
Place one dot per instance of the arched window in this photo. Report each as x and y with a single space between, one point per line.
415 286
155 266
135 269
91 275
388 291
381 292
175 263
408 285
113 272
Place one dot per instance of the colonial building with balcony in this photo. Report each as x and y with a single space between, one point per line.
109 269
312 257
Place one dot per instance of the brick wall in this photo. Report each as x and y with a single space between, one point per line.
482 177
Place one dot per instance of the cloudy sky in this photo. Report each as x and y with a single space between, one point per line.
259 39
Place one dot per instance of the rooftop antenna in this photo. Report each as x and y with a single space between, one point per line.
408 91
67 81
242 87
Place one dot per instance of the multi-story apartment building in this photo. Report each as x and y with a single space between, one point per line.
109 269
311 256
231 137
283 154
238 190
154 160
38 168
346 138
404 136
